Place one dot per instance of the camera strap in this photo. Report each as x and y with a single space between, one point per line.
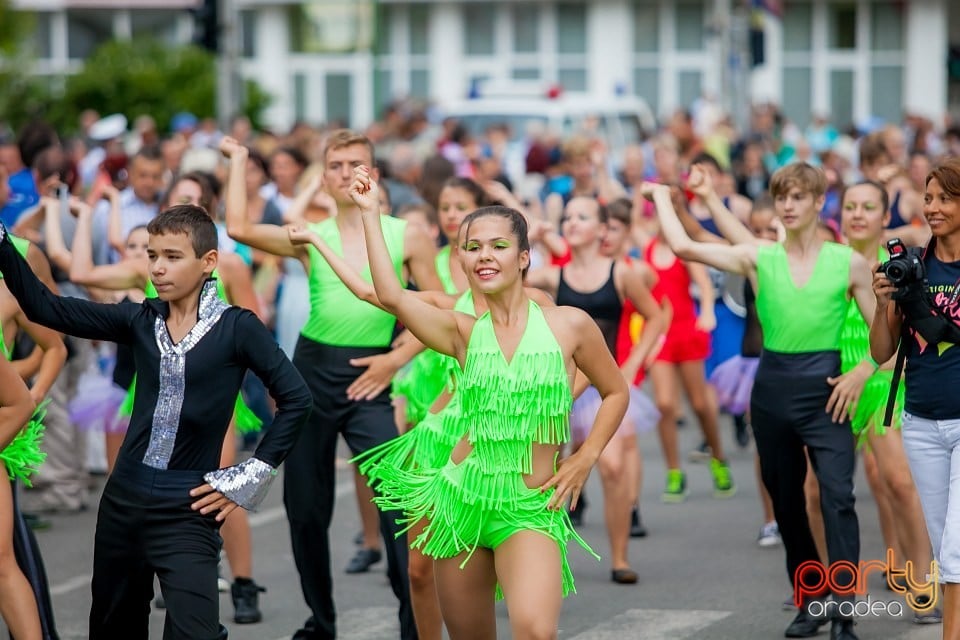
897 372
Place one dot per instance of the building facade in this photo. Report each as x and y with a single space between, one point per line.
345 59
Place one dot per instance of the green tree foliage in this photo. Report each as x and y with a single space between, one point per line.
131 77
148 77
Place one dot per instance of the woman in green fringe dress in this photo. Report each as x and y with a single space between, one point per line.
496 518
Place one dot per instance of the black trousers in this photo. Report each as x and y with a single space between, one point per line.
310 476
27 553
145 527
788 410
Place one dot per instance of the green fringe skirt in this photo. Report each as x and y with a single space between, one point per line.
421 382
466 509
23 456
873 404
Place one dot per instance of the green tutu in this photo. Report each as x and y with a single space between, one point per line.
23 456
244 417
421 382
870 409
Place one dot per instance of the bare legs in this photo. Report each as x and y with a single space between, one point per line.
909 525
528 567
619 494
423 590
17 604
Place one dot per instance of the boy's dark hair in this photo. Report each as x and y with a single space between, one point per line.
518 224
190 220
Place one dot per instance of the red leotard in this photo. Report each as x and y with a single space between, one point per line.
684 341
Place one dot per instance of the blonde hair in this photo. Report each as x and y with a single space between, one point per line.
341 138
799 175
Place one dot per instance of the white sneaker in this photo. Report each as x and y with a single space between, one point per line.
769 535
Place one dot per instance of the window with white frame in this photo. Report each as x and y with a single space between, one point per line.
402 47
87 29
671 51
858 46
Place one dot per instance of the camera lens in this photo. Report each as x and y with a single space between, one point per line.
895 273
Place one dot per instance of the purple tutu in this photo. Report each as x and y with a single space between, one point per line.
94 407
733 380
642 414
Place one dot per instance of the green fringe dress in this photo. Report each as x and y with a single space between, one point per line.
23 456
428 444
507 407
854 348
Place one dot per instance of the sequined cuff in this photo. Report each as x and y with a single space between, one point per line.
3 232
246 483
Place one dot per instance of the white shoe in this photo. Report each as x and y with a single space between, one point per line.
769 535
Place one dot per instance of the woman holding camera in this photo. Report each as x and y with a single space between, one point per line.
931 419
864 215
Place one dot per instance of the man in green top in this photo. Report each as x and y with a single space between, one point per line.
341 334
800 400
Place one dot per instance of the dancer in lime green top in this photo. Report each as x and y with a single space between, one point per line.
496 510
348 369
864 217
803 288
24 600
18 606
428 444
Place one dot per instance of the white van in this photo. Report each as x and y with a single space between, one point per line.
619 121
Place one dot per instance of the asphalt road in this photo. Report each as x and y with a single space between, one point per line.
702 574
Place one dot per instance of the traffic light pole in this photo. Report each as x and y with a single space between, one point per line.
227 68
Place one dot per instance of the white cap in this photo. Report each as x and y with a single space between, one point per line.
108 128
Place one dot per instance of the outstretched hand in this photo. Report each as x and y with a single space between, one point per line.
364 191
212 500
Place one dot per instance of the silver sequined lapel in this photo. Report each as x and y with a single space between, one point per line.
166 416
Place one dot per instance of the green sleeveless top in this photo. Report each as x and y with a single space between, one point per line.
809 318
511 405
855 335
337 317
21 245
150 291
443 271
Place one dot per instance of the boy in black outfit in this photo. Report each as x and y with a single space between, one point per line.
161 510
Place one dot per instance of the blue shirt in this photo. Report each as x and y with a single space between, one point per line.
23 196
932 374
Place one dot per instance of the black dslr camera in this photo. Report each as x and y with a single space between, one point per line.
904 269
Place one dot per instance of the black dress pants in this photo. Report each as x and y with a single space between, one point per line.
310 476
145 527
788 410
